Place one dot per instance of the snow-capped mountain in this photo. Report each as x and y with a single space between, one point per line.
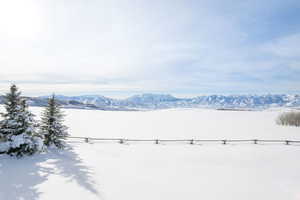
247 101
163 101
160 101
96 100
149 101
151 98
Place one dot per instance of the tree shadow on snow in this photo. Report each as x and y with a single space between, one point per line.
71 166
20 178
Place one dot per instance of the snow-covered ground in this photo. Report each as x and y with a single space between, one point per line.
112 171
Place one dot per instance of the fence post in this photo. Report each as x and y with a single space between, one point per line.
224 141
86 140
192 141
287 142
255 141
121 141
156 141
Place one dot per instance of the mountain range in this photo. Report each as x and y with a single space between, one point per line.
164 101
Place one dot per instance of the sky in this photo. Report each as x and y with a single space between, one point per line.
125 47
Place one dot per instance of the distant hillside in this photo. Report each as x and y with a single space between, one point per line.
69 103
163 101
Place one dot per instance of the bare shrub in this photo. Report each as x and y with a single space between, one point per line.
289 119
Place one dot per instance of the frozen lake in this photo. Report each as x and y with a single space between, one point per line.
189 123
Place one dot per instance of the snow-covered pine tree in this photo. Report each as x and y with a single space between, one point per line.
8 126
52 124
18 128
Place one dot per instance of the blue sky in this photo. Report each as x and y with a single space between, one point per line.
119 48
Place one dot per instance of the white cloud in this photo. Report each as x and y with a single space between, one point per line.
285 47
143 45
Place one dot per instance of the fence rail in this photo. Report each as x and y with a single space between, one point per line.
189 141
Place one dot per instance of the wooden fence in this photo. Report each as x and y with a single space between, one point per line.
189 141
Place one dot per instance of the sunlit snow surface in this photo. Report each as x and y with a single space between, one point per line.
135 171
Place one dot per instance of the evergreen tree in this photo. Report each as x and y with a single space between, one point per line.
18 128
12 102
9 125
52 124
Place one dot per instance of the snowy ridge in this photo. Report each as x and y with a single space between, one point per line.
163 101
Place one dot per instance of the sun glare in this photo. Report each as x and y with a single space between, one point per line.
20 19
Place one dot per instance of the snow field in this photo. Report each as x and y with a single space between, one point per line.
108 170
